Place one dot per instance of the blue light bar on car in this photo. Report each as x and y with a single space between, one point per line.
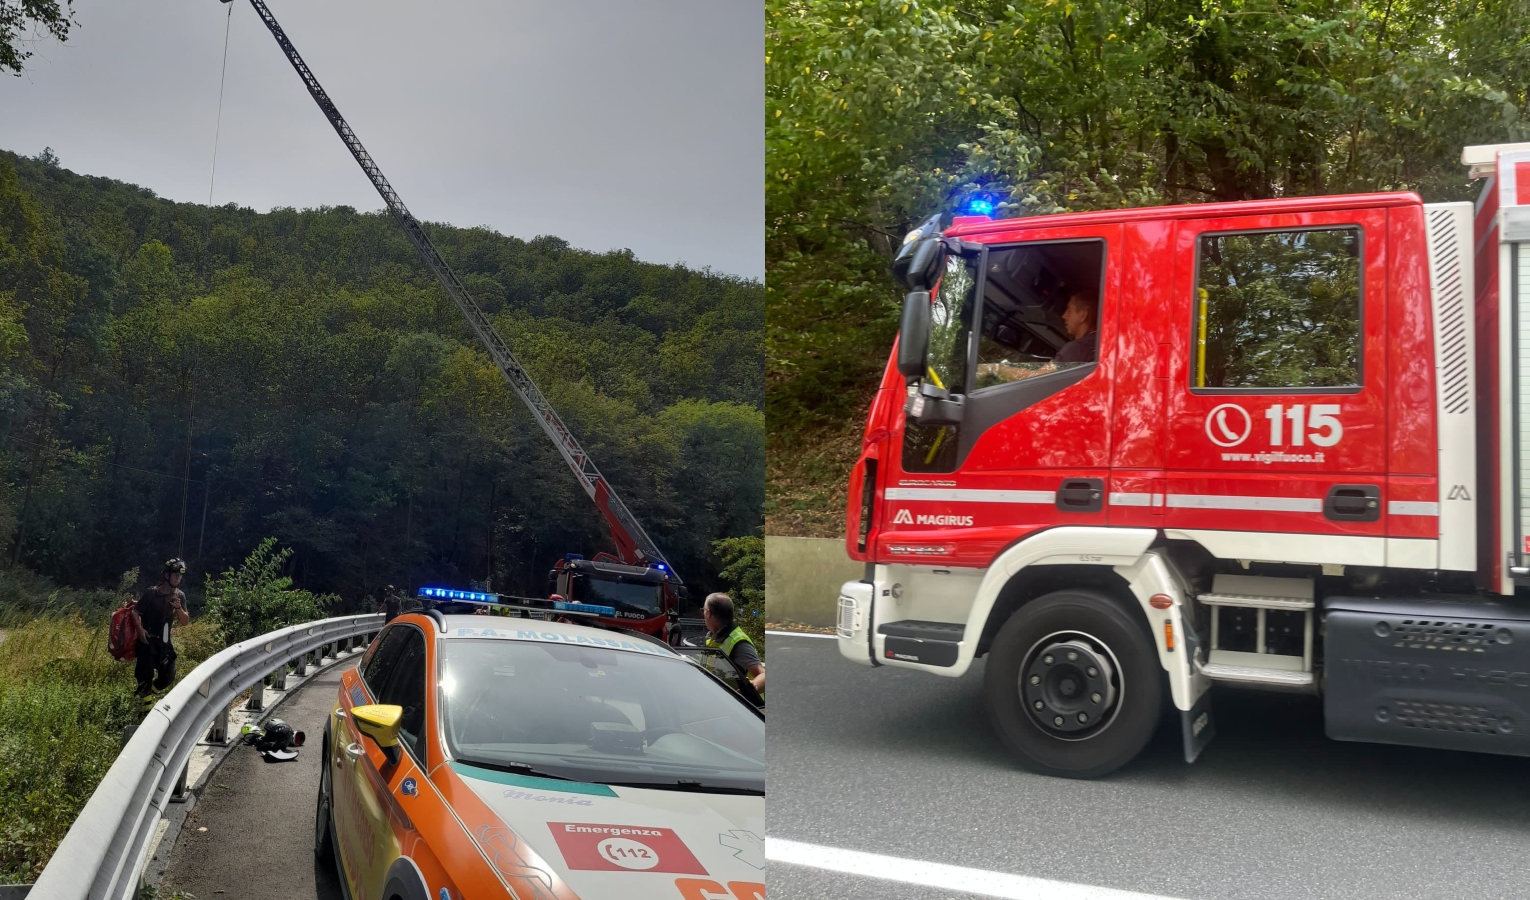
565 606
436 593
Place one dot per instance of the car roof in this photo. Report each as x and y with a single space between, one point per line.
505 628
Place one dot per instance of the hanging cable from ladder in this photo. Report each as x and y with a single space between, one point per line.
633 544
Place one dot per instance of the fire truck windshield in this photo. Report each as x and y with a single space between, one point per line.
631 599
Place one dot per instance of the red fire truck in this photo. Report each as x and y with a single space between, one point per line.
1278 444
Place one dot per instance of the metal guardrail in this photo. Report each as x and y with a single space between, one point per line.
103 855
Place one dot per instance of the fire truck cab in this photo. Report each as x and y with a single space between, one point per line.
644 598
1132 454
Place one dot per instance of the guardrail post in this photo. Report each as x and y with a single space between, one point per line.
279 680
300 665
218 734
257 696
179 794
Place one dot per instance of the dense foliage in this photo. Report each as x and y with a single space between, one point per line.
743 576
882 112
175 379
21 20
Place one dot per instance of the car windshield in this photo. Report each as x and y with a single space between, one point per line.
600 715
625 596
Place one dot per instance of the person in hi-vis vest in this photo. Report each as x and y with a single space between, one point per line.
721 632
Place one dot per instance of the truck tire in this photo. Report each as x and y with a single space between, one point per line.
1073 684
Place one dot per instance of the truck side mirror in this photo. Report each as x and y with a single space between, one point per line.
917 264
923 265
914 335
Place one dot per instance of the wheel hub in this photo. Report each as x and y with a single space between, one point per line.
1069 687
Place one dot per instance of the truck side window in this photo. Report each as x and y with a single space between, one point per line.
951 323
1041 310
928 448
1278 309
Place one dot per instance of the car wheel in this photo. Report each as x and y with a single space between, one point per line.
323 839
1073 684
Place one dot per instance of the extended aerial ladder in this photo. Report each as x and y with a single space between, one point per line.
634 547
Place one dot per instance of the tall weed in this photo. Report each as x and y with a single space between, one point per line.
64 703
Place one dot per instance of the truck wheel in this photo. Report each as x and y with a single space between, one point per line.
1073 684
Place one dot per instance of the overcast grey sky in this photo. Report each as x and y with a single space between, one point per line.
609 124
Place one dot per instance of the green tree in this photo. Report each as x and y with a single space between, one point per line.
255 598
325 391
741 565
19 16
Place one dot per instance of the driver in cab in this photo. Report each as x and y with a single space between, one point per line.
1080 318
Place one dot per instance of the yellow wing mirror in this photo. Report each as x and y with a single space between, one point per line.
380 723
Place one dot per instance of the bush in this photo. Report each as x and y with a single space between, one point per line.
257 598
741 565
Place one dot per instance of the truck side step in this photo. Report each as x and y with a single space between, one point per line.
926 643
1257 675
1259 592
1254 600
1261 631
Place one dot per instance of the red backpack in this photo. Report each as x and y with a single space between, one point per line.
122 639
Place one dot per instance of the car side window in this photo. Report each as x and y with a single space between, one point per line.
1278 309
406 688
718 665
383 658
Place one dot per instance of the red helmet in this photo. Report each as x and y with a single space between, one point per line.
556 598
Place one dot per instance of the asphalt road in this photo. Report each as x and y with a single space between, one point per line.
258 816
903 764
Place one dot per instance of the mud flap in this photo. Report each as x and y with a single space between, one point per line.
1197 727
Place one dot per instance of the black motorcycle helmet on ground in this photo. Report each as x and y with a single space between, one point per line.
278 741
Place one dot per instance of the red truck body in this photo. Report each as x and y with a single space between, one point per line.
1318 396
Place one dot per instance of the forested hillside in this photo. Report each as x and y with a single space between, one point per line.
173 376
882 112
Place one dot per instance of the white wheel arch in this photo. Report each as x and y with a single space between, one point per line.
1125 552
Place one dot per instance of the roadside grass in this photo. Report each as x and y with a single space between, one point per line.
64 703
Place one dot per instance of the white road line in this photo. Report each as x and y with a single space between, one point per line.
802 634
939 875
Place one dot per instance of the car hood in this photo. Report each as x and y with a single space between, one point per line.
621 842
